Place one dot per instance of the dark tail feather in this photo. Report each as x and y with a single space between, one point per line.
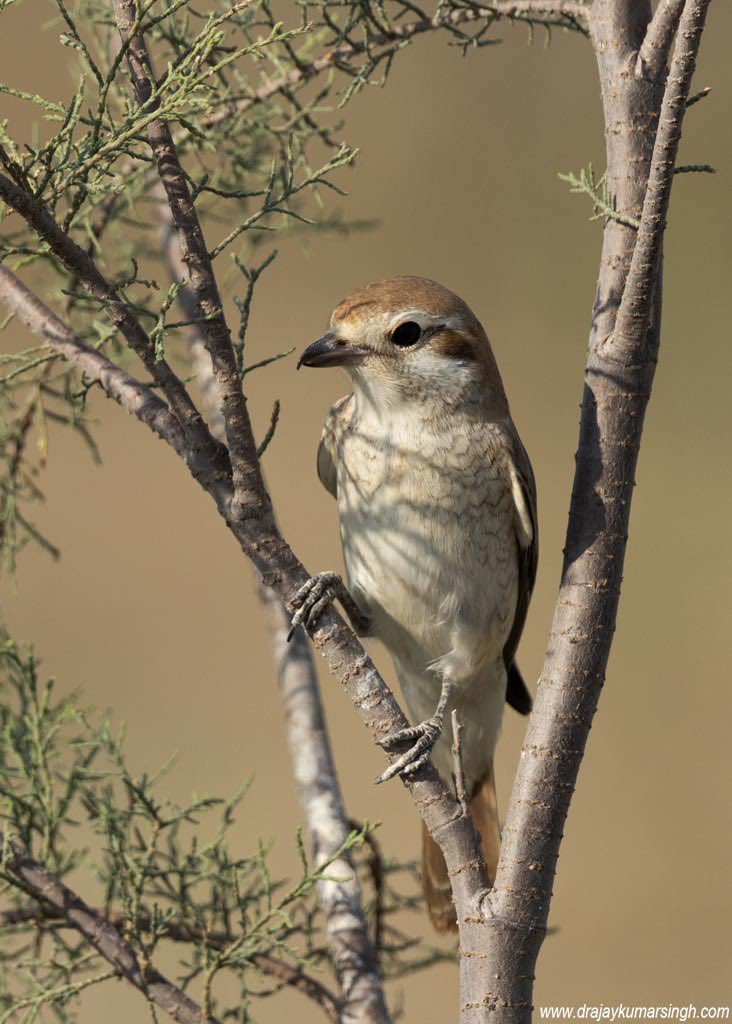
436 885
435 880
517 692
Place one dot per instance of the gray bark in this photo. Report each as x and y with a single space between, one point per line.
500 950
53 915
501 930
134 397
245 469
100 934
351 950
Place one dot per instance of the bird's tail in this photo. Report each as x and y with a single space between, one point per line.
435 880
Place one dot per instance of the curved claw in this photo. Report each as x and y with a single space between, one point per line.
426 735
312 599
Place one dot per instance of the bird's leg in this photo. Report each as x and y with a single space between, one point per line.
313 598
426 735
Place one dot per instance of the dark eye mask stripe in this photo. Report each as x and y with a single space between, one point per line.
455 346
449 343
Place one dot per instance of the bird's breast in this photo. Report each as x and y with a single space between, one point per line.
428 540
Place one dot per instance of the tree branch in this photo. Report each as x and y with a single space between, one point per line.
634 314
249 489
279 569
47 889
617 387
656 47
80 264
501 931
351 951
274 560
262 543
133 396
571 14
380 712
44 915
555 13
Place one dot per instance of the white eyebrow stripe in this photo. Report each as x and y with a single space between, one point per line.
408 314
425 319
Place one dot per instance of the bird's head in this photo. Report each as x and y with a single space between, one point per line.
409 338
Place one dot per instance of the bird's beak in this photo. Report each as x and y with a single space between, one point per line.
331 350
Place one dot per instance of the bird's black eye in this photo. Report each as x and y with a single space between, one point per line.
406 334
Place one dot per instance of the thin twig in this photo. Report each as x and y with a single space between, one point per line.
80 264
457 760
375 864
249 490
101 935
119 385
566 13
45 915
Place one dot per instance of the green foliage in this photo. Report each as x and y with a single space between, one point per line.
36 390
603 203
252 96
163 873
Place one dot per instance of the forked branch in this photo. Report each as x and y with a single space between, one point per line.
48 890
119 385
351 950
635 309
45 915
81 266
248 487
618 378
501 931
654 52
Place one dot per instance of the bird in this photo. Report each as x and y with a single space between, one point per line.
438 522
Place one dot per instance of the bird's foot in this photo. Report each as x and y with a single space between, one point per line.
312 599
425 734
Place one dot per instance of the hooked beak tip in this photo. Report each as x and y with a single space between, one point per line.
330 350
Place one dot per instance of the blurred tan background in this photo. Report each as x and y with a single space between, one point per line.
151 609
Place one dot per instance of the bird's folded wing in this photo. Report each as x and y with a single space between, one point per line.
523 490
336 420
